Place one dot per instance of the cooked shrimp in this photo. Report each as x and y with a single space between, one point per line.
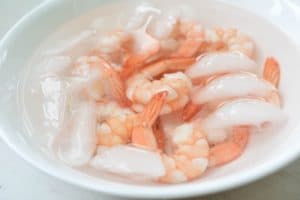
220 63
76 143
230 149
233 40
142 133
189 158
96 71
193 39
272 71
141 89
114 124
114 47
144 46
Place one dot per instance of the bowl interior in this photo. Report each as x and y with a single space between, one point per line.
265 153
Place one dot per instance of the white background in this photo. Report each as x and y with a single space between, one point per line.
19 180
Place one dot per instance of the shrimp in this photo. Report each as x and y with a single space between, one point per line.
117 125
193 38
230 149
114 47
141 89
114 124
142 134
236 118
272 71
190 148
220 63
189 157
144 46
232 39
98 73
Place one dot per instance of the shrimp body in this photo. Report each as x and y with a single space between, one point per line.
189 158
114 124
221 63
144 46
233 40
101 79
141 90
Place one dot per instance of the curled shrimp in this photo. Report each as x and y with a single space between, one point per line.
232 39
113 47
243 113
118 125
98 73
189 157
144 46
114 124
141 89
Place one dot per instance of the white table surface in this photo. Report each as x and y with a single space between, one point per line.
19 180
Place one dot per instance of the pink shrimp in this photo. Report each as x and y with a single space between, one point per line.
142 134
144 46
96 70
230 149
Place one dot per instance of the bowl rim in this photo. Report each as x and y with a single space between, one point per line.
136 191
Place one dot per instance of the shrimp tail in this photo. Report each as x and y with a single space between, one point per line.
142 134
117 85
231 149
272 71
159 135
168 66
190 110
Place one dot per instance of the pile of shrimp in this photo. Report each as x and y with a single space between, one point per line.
165 99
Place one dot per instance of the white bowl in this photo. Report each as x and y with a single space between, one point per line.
265 154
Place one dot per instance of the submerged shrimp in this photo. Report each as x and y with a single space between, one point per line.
231 148
144 46
97 73
114 124
141 89
189 161
232 39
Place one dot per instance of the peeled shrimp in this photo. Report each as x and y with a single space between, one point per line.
231 148
233 40
98 73
114 124
220 63
144 46
76 143
141 89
